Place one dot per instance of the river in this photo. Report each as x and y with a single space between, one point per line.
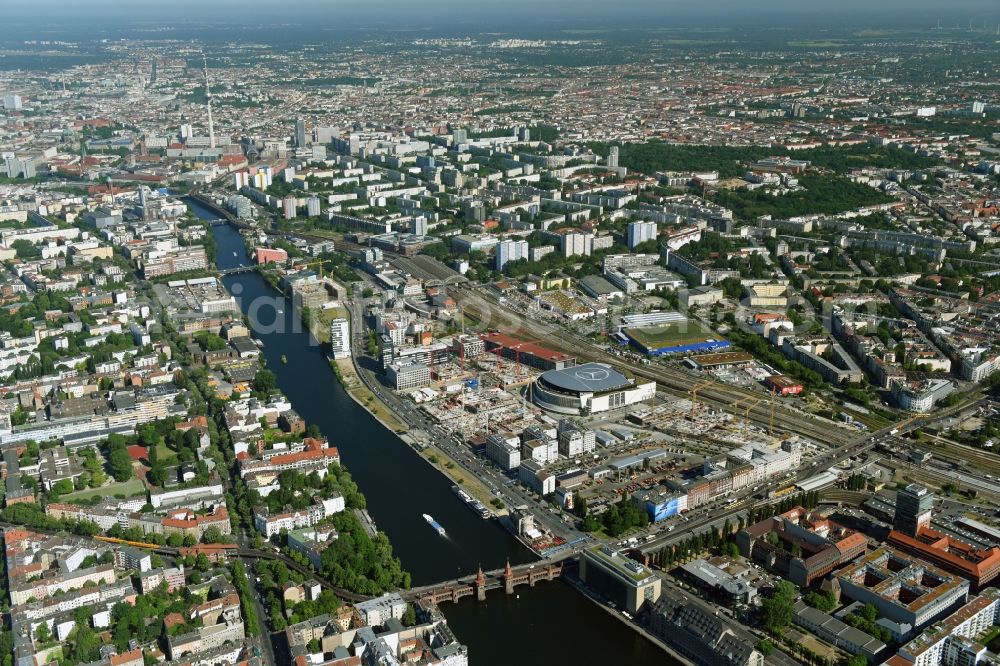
550 623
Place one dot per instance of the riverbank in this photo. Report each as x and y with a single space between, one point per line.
347 375
577 585
469 483
400 486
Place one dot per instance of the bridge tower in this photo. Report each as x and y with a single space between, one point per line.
480 584
508 579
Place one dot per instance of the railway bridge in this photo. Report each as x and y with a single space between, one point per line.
249 268
507 578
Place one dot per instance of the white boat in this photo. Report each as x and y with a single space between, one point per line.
234 254
435 524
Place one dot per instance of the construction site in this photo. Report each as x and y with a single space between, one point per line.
662 448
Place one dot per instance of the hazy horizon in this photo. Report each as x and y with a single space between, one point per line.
396 14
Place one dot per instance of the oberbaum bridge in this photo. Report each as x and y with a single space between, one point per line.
507 578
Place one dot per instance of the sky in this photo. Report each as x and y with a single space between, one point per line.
32 19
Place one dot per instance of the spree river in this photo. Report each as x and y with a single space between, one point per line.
548 624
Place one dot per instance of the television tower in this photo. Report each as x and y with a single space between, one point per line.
208 102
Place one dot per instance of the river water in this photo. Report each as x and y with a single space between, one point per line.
548 624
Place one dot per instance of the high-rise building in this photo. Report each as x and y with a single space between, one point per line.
313 206
640 232
300 133
510 250
340 338
613 157
524 134
418 226
913 509
289 205
978 107
576 243
12 102
459 136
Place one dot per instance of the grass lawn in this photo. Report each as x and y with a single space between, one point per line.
672 335
321 322
165 452
356 388
127 488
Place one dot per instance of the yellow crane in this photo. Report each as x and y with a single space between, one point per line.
694 395
746 417
313 263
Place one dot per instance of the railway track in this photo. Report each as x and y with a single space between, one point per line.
673 381
961 452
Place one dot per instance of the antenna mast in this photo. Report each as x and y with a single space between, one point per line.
208 102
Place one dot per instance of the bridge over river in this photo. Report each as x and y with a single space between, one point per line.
506 578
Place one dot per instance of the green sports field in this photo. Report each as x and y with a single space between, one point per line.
672 335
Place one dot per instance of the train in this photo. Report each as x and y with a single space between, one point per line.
152 546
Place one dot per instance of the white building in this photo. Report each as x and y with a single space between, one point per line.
403 375
510 250
576 243
418 226
340 338
313 206
289 206
505 451
640 232
574 440
12 102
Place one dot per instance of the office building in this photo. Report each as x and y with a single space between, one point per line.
640 232
913 509
700 635
627 583
510 250
340 338
504 450
403 375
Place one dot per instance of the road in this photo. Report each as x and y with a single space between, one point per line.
677 381
501 485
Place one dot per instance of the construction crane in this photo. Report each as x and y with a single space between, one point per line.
770 421
746 416
314 263
694 395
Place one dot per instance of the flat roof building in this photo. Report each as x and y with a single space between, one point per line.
624 581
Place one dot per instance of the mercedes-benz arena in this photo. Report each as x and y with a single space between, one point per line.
588 389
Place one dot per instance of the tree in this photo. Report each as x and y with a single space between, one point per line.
409 616
62 487
119 461
265 381
43 634
857 660
765 647
778 608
